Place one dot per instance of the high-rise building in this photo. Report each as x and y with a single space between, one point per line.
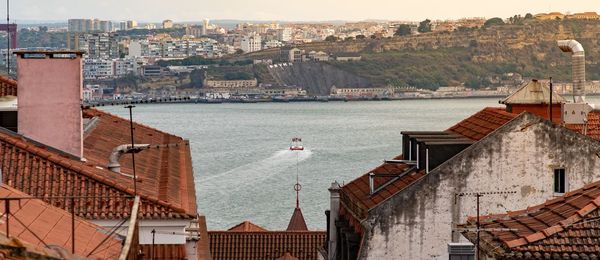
131 24
166 24
251 43
89 25
196 31
205 23
284 34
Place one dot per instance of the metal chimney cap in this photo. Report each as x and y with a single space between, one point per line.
570 46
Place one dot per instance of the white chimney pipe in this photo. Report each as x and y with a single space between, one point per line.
113 159
578 65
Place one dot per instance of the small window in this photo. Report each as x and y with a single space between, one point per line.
560 181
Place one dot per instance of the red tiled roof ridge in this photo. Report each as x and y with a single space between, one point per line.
246 226
96 112
84 169
8 80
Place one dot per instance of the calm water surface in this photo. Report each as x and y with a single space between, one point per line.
244 170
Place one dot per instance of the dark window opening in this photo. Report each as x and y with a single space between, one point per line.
560 181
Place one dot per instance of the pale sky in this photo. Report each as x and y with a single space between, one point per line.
284 10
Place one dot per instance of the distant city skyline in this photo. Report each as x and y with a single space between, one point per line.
269 10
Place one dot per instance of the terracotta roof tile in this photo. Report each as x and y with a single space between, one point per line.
593 126
164 251
8 87
34 220
165 170
246 226
297 222
231 245
41 171
564 225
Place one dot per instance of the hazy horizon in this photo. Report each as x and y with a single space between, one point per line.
271 10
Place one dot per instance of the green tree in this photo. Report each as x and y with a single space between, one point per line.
528 16
493 21
360 37
424 26
197 78
331 38
239 51
403 29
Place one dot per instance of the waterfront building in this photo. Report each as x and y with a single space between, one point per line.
284 91
361 92
231 84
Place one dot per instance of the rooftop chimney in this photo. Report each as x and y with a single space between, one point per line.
578 64
113 160
49 107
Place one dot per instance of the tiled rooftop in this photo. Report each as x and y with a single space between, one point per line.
165 172
38 223
593 126
42 172
297 222
231 245
246 226
164 251
166 183
563 225
482 123
8 87
355 195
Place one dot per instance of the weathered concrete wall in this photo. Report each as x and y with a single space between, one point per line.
520 156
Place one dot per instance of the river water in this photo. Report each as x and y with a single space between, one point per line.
245 171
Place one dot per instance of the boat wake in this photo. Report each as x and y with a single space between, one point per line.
247 175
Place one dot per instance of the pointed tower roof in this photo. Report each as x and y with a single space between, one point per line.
297 222
247 226
287 256
533 92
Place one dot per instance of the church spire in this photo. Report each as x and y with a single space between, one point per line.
297 222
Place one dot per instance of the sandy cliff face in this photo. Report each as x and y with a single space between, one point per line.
316 78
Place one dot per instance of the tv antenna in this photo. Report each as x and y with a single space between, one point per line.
478 223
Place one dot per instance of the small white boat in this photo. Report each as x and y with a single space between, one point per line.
296 144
